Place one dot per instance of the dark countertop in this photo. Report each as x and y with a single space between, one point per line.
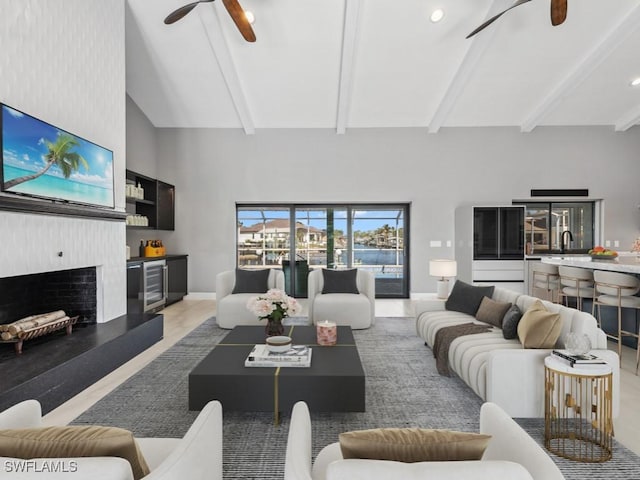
150 259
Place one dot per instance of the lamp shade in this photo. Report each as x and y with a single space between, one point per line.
443 268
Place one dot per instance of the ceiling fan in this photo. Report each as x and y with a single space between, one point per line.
558 14
233 7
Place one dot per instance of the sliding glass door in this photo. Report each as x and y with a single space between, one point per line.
298 238
263 236
379 245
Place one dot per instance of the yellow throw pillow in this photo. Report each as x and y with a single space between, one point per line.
539 328
413 445
81 441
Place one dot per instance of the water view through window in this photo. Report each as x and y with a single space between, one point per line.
298 238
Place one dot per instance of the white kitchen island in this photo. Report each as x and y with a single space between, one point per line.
624 263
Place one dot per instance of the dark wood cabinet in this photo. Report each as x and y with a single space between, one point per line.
165 206
156 209
135 302
177 281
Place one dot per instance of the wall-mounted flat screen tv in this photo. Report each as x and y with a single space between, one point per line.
41 160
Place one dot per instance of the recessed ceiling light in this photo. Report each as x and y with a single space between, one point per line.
635 82
250 16
437 15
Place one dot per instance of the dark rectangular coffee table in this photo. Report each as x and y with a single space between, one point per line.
334 382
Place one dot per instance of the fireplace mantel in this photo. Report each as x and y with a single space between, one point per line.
50 207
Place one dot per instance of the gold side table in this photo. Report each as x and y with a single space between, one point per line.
578 422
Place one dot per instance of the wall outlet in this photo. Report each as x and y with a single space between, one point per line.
435 243
607 243
448 243
616 243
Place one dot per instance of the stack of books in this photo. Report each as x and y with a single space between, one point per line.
578 361
297 356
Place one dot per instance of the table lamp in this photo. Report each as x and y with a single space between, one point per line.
443 268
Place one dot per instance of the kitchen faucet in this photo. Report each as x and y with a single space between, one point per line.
562 244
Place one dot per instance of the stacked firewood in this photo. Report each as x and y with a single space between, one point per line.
14 330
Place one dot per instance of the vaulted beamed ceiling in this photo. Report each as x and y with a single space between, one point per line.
344 64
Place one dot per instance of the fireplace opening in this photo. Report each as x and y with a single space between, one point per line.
74 291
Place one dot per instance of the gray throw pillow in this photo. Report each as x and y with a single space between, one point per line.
492 312
466 298
510 323
340 281
251 281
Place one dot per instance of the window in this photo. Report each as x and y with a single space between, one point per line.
263 236
299 237
545 223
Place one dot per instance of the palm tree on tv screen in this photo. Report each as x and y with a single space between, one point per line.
60 153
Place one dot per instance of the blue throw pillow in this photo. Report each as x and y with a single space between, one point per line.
466 298
251 281
340 281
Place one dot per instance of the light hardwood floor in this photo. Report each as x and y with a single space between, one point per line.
182 317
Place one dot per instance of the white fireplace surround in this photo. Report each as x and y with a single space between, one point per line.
43 243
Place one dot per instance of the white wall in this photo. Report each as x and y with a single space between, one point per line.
214 168
64 63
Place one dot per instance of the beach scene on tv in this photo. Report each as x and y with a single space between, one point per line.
42 160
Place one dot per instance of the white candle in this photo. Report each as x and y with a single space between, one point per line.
327 333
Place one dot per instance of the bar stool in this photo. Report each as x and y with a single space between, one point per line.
575 282
614 289
545 277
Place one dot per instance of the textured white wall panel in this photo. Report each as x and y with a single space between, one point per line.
64 62
43 243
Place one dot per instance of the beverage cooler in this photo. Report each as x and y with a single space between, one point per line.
490 245
147 286
154 285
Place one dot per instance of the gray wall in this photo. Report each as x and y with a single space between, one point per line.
215 168
141 158
141 141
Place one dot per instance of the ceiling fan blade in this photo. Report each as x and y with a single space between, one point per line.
495 17
182 11
240 19
558 11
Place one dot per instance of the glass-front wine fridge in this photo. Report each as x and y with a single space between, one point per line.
154 285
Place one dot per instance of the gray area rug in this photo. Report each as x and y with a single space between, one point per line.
403 388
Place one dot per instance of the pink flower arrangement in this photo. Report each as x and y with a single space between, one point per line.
273 305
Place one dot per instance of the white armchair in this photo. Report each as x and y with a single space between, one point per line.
196 456
232 307
354 310
511 453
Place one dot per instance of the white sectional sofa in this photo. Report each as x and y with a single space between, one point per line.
500 370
